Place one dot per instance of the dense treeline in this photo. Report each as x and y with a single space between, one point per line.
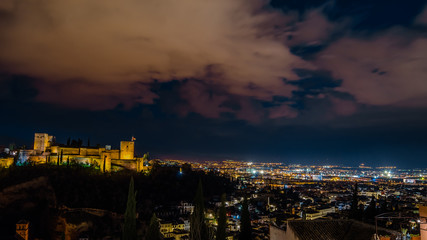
77 186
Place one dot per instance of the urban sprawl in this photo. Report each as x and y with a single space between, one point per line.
285 201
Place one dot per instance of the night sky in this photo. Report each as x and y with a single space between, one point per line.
316 82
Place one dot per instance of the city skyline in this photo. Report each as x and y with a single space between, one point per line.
76 143
312 82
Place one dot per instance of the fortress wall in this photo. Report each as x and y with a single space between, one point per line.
54 149
128 164
115 154
69 150
127 150
83 151
38 159
93 151
73 159
6 162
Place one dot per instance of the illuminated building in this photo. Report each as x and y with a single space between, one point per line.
22 228
6 162
47 151
127 149
42 141
363 166
175 229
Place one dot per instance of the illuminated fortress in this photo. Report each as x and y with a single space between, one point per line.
47 151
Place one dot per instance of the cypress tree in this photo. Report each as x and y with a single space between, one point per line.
129 228
371 210
105 159
153 232
146 156
245 222
198 228
222 220
384 206
354 211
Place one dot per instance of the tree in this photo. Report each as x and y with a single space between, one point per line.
245 222
146 156
129 228
222 220
394 204
155 167
285 196
198 228
354 210
12 146
186 168
384 206
153 232
371 210
145 160
104 163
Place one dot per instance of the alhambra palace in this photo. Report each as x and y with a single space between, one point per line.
47 151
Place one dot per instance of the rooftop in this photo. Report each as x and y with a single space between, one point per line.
334 230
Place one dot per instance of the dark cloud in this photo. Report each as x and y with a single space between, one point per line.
320 81
363 16
373 135
108 47
376 15
86 94
307 51
315 80
17 88
387 69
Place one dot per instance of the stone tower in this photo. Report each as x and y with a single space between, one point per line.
41 142
22 228
127 150
105 164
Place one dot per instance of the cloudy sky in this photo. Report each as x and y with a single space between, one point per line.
322 82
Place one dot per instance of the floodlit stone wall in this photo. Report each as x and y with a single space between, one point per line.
6 162
41 141
127 149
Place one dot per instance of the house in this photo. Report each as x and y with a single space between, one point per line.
22 229
174 229
327 229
